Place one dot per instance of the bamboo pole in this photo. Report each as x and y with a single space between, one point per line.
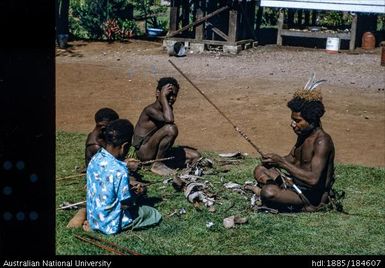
71 176
99 245
237 129
132 252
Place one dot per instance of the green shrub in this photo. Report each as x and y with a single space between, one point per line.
93 19
335 18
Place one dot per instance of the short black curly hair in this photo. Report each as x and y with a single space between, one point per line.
106 114
118 132
311 111
167 80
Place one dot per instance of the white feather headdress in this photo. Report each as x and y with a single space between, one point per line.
309 91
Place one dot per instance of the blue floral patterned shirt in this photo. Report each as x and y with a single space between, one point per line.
107 187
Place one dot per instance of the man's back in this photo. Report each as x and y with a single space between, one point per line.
146 123
93 144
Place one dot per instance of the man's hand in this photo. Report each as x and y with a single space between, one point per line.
138 188
272 159
132 164
166 90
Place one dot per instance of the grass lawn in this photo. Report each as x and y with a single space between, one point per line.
360 232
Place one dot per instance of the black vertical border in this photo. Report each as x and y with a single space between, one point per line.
27 129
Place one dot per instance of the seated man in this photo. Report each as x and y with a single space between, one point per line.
310 163
155 131
94 139
110 208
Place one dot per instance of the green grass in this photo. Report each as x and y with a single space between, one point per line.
362 232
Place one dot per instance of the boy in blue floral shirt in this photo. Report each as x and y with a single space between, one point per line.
108 186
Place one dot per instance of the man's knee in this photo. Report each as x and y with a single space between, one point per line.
269 192
258 171
261 175
194 154
171 130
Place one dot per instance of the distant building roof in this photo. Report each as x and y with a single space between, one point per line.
368 6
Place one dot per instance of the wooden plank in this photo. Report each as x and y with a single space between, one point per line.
198 21
345 36
233 19
173 18
199 28
217 31
220 33
369 6
211 42
280 25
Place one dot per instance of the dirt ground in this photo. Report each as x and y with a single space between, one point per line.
251 88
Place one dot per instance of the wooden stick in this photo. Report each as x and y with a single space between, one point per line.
71 205
156 160
71 176
150 161
109 249
234 126
132 252
142 163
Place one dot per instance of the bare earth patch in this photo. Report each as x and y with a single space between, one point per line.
251 88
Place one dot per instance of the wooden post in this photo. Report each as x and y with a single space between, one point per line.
173 19
307 17
62 17
185 13
199 28
258 22
314 17
233 18
280 25
353 33
290 17
299 17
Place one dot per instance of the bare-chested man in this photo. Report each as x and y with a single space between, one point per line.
155 131
310 163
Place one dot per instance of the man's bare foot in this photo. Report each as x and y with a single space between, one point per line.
255 189
78 219
86 227
161 169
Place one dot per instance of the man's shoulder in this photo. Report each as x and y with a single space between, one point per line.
151 106
89 135
92 136
146 109
323 138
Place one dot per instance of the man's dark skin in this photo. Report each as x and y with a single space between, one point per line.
310 164
94 141
157 123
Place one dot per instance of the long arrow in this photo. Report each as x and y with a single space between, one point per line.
237 129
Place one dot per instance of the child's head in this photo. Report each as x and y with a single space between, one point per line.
118 134
105 115
167 80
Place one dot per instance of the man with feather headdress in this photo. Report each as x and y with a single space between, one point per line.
302 180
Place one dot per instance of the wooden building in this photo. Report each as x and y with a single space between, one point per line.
306 8
202 23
